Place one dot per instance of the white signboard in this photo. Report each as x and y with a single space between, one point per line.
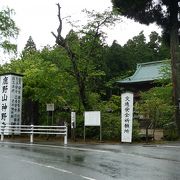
126 116
49 107
10 100
92 118
73 120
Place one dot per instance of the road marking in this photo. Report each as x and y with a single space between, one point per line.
163 146
31 162
57 169
87 178
167 146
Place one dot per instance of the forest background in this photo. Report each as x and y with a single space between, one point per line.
85 77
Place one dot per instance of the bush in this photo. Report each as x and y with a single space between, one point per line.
136 131
111 126
170 132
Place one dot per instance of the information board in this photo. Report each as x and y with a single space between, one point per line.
50 107
92 118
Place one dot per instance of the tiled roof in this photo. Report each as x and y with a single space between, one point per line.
145 72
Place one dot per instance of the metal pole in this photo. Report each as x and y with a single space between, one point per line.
84 133
31 135
100 133
52 119
47 118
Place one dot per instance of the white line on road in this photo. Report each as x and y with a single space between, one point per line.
87 178
31 162
51 167
57 169
162 146
168 146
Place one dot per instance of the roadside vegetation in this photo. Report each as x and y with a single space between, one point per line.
80 72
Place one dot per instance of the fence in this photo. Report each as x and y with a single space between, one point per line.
34 129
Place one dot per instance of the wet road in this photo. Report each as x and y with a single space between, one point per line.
89 162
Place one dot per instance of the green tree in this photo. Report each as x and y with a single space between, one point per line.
120 61
44 81
8 30
30 47
116 61
158 47
156 106
131 53
164 13
83 49
133 50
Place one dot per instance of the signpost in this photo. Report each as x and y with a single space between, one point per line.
73 124
73 120
50 108
10 100
92 118
126 116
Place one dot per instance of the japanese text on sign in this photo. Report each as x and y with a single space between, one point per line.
126 117
11 99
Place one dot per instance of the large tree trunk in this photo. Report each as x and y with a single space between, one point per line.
175 59
62 42
79 78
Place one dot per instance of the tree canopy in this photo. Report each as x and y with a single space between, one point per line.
30 46
148 11
84 48
8 30
164 13
79 72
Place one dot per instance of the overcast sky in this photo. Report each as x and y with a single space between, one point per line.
37 18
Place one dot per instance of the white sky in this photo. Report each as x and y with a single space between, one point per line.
37 18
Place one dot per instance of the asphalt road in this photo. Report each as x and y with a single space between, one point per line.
89 162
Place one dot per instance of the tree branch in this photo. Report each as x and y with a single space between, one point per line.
54 35
60 20
59 39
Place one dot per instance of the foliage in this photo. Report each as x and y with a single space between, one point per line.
135 131
112 105
116 61
165 14
85 51
121 59
55 75
8 30
146 12
44 82
166 72
170 131
30 47
111 127
151 50
156 105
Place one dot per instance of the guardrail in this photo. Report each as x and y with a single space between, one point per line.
34 129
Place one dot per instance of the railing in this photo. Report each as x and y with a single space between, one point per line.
34 129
